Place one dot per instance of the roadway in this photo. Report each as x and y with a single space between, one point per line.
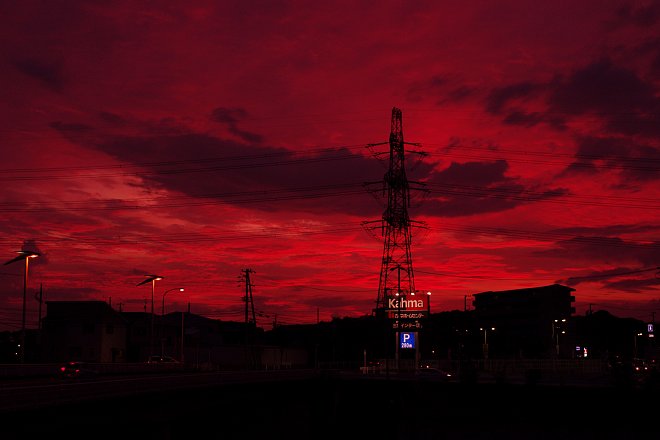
325 404
39 392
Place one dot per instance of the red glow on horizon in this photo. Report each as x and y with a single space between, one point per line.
207 148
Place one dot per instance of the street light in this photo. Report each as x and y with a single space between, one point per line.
180 289
635 350
23 255
162 325
428 303
556 326
485 330
398 327
151 279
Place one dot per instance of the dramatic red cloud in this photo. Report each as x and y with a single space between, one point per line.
195 140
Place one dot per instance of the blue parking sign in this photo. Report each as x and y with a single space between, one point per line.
407 340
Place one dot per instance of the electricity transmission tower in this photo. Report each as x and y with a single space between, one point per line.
395 225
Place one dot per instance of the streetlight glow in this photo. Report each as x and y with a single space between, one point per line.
23 255
151 279
485 347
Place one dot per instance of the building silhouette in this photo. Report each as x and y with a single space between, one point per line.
529 322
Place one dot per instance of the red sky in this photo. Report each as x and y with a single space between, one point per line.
197 139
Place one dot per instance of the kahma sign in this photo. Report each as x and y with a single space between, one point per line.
415 303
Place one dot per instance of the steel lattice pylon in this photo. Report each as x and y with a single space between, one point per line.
395 223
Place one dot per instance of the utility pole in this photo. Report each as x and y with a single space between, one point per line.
40 298
183 334
250 324
249 301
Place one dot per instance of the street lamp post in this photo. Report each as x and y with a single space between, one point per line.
635 346
398 330
162 314
398 317
556 330
23 255
485 330
151 279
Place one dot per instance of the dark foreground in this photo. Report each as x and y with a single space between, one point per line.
338 407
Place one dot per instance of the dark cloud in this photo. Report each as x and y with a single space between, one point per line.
643 15
635 161
604 88
499 98
47 72
473 173
65 127
634 286
478 187
203 165
524 119
460 93
231 117
626 103
439 88
112 118
607 230
655 65
605 249
605 275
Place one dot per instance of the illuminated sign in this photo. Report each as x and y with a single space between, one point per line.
649 328
407 340
406 314
407 324
411 303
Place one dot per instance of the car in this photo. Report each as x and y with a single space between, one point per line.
434 374
77 370
158 359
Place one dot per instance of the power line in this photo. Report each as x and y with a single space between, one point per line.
480 277
612 275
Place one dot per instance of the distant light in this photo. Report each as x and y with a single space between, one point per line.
428 293
181 289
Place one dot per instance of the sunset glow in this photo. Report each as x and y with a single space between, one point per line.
198 139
